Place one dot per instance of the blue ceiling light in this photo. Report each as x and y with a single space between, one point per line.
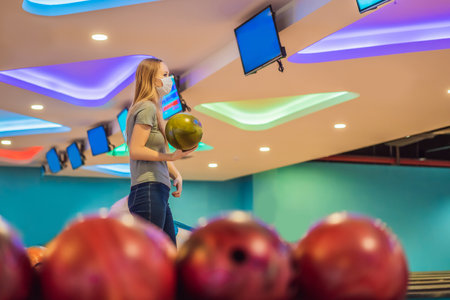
86 83
66 7
402 27
121 170
12 124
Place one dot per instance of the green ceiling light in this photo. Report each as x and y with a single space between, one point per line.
122 150
263 114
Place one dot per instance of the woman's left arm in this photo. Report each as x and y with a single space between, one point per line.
177 179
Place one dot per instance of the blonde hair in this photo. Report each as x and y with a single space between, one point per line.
145 86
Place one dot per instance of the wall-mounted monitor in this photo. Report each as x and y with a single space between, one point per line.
258 41
53 161
98 140
122 119
366 5
171 103
74 152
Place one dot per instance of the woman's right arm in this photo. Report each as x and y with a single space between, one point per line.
138 150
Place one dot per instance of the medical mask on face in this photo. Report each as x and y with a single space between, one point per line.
167 86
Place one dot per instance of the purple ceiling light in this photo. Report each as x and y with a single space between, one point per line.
86 83
399 27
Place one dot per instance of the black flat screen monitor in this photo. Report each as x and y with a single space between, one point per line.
75 157
258 41
53 161
366 5
98 140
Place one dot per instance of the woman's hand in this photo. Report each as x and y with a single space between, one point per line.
178 154
178 183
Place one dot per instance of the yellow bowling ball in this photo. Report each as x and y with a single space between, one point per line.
184 131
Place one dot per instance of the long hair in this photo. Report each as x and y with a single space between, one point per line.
145 86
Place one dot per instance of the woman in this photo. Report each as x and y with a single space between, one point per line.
151 167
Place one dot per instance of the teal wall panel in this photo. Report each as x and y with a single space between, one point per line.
413 201
40 206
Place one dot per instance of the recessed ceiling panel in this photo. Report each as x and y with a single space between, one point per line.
261 114
398 27
86 83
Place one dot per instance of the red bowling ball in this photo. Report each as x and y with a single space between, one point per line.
15 269
107 258
235 257
347 257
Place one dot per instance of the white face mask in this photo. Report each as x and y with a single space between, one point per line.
167 86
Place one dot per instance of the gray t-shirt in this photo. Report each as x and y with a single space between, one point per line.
144 112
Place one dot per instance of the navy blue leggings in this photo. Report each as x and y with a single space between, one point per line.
150 200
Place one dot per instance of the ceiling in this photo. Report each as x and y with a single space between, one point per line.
400 95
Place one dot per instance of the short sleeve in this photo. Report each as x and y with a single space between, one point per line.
146 114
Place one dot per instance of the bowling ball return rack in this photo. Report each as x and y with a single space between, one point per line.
434 284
